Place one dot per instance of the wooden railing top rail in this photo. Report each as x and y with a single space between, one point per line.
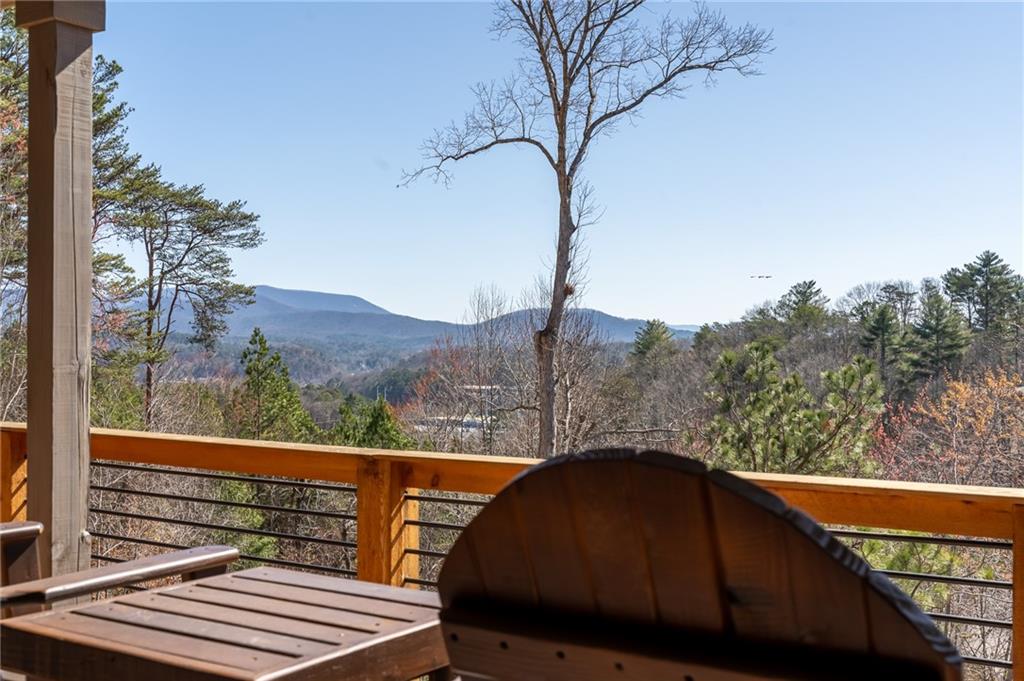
926 507
428 470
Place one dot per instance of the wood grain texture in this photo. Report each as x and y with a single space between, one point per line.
1018 593
427 470
673 514
609 543
671 549
546 530
946 509
381 514
84 582
19 560
268 628
382 610
13 475
87 14
427 599
505 645
60 273
916 506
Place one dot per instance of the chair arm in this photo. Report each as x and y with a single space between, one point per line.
20 531
187 562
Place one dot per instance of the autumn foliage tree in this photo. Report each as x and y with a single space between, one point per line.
972 433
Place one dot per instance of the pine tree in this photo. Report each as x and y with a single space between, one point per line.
803 306
653 340
960 287
368 423
269 406
937 340
769 422
881 328
985 291
996 288
185 238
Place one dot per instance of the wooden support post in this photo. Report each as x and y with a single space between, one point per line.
13 476
1017 655
59 270
382 535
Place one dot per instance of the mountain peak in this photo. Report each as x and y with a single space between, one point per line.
274 298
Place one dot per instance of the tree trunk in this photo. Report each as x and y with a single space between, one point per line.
147 399
546 339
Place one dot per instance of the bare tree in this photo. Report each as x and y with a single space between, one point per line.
588 66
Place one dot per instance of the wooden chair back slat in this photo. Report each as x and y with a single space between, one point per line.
611 544
672 513
566 585
628 542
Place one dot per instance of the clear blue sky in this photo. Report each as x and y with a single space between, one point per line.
883 141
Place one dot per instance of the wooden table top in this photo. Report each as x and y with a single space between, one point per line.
256 625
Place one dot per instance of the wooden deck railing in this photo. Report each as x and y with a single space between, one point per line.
385 478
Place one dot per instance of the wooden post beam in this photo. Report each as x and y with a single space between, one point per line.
13 476
381 528
59 271
1017 649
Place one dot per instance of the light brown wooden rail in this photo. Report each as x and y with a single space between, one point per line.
384 477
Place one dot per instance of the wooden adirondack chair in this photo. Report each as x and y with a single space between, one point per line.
22 591
622 565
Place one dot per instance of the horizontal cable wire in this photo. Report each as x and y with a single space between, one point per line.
220 502
243 556
947 579
223 528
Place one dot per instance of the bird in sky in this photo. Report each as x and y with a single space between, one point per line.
760 276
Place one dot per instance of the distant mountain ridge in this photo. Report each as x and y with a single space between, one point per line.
295 315
331 336
272 297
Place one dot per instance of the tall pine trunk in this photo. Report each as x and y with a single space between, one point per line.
147 400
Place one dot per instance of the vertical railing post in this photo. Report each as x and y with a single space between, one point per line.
13 475
60 271
382 534
1017 655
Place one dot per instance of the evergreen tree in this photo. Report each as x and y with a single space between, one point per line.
985 291
880 330
185 238
269 407
368 423
937 340
959 285
772 423
997 288
654 345
653 337
803 306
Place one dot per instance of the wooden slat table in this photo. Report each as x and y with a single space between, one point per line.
258 624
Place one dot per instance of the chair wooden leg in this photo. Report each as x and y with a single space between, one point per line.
444 674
